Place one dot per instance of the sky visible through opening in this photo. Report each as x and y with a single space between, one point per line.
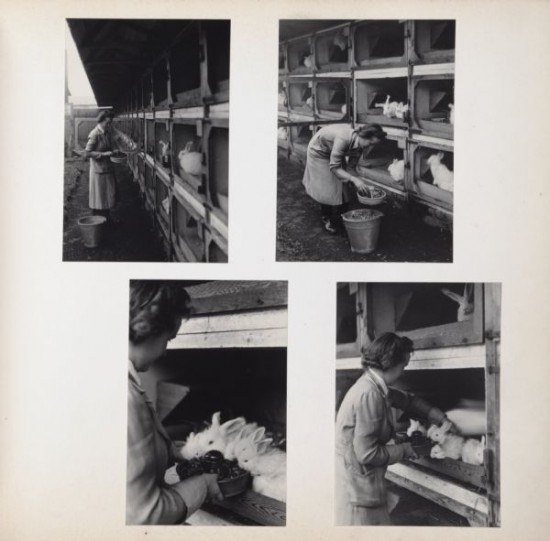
79 86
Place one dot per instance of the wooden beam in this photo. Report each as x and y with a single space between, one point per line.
252 506
232 339
467 503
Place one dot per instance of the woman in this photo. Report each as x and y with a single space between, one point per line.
326 166
364 428
99 148
156 312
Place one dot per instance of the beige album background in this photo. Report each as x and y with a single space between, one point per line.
64 325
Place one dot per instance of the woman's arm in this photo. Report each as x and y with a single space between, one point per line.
91 146
416 407
370 417
338 166
147 501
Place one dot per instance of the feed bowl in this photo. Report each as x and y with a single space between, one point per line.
234 486
376 197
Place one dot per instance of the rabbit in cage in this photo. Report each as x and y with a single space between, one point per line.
393 109
465 302
443 177
282 133
448 444
308 61
267 465
416 426
190 161
472 452
340 41
397 170
243 439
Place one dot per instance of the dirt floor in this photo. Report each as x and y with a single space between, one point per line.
132 239
404 236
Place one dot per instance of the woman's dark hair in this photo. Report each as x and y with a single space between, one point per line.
155 307
104 115
368 131
387 351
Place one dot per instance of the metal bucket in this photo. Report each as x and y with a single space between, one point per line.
91 229
363 228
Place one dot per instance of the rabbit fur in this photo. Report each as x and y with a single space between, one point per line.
190 161
416 426
308 61
274 487
449 444
165 146
247 436
393 109
282 133
397 170
465 305
443 178
472 451
215 437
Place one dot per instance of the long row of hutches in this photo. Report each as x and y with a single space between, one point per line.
181 107
345 74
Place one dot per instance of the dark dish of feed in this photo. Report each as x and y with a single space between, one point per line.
226 469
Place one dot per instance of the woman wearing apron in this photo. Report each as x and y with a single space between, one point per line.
99 148
156 312
364 428
325 171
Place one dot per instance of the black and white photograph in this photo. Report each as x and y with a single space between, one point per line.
146 140
418 404
207 403
366 140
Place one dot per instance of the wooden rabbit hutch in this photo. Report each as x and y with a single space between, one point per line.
168 83
456 362
344 72
230 356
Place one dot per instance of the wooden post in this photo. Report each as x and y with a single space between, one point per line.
492 391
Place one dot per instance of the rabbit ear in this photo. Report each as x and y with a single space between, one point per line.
263 445
258 434
233 425
452 295
468 291
216 418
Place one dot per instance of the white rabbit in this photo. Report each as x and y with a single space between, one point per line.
416 426
190 161
440 172
217 435
165 146
246 440
266 462
309 102
282 133
472 452
452 114
344 109
340 41
397 170
465 302
437 452
401 110
274 487
308 61
281 99
193 447
451 444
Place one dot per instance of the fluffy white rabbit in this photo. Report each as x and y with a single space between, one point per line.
443 178
246 439
308 61
465 302
217 435
472 452
309 102
450 444
437 452
274 487
393 109
190 161
340 41
416 426
164 148
401 110
193 447
344 109
397 170
452 114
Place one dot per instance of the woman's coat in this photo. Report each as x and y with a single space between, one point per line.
102 173
149 500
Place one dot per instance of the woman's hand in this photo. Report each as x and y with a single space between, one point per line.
360 186
409 451
214 494
107 154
